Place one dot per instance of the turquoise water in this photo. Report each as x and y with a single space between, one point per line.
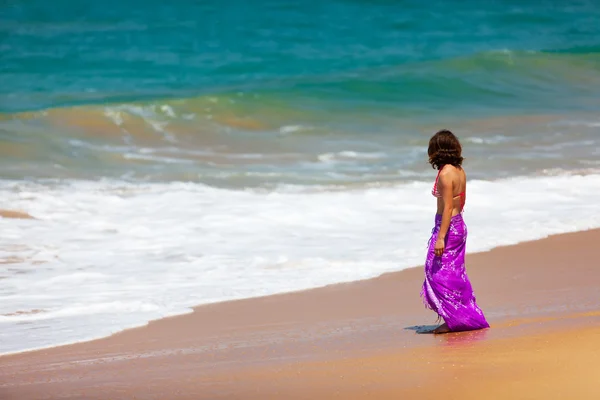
406 56
285 92
288 92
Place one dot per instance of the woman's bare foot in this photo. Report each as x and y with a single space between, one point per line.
442 329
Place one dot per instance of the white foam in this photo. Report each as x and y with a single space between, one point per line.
157 120
114 115
350 155
168 110
105 256
489 140
146 157
294 128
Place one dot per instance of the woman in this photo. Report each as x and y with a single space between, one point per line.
447 289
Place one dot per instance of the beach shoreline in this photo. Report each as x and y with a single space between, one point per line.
543 287
214 245
234 301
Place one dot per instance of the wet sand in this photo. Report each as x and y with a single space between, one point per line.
14 214
354 341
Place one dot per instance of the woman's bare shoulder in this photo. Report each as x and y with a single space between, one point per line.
451 171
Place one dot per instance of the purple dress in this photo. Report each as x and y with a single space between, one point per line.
447 289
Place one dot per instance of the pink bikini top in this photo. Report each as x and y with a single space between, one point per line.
437 194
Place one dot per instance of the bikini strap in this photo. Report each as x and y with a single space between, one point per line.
437 177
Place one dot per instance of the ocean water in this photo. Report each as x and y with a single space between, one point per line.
184 153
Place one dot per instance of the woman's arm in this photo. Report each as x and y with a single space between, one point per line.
445 188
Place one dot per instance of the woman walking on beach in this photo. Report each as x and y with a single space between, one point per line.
447 289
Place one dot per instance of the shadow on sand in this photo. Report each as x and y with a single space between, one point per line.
422 329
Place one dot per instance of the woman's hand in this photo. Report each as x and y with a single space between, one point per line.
439 247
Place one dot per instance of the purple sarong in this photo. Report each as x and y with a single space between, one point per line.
447 289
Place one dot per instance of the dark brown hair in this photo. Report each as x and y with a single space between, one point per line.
444 148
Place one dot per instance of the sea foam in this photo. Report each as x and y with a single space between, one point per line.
103 256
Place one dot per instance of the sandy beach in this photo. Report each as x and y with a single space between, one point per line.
14 214
354 341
